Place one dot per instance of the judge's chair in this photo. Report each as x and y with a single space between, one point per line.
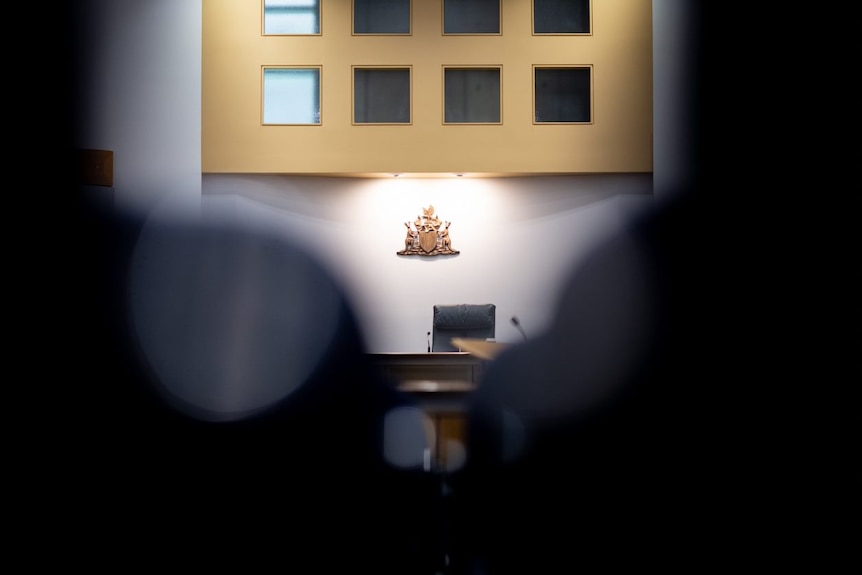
464 320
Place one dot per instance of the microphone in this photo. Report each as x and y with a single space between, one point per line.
517 323
429 342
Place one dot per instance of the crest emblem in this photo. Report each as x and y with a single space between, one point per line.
428 241
428 235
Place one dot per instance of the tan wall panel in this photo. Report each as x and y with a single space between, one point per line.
618 140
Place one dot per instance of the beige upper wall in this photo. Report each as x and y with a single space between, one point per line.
619 140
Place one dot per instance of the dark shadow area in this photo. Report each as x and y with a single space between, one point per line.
218 393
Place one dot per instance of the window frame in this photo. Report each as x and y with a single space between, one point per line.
263 70
409 32
589 32
499 31
591 99
452 67
318 9
355 67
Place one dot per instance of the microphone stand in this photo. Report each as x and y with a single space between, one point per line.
516 322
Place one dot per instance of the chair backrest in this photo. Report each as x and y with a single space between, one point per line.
462 320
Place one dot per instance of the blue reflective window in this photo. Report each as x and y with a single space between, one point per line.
291 16
291 96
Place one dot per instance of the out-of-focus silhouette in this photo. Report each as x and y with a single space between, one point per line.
586 441
604 438
222 397
657 420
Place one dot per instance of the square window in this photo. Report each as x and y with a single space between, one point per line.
381 16
471 16
291 17
381 95
291 96
561 16
471 96
562 95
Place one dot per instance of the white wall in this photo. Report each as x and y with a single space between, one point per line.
516 236
140 81
673 105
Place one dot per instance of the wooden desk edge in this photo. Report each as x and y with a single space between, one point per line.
430 386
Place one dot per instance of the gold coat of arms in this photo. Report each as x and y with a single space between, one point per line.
428 235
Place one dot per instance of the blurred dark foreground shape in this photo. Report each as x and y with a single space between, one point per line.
655 423
214 400
224 407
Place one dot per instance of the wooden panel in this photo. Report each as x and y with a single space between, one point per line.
407 373
96 167
440 381
451 428
618 139
451 371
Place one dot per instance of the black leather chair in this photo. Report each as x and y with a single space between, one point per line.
462 320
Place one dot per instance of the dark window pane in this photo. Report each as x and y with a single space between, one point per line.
381 16
563 95
472 95
561 16
381 96
471 16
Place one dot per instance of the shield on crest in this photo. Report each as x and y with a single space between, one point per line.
428 241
